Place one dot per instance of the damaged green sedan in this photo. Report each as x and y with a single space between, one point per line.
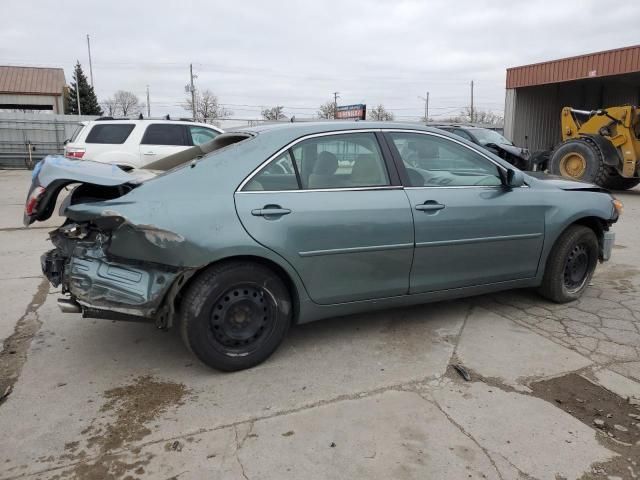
291 223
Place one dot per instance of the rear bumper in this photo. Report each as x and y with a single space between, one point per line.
98 284
608 241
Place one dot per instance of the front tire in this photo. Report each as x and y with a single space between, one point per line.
235 315
570 265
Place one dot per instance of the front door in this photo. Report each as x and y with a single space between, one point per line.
469 229
328 206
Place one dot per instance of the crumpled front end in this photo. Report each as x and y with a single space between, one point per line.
101 286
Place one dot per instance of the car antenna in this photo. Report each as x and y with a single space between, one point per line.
140 117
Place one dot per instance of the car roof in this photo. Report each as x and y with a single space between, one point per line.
111 121
285 132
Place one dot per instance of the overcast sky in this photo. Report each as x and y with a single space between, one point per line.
255 53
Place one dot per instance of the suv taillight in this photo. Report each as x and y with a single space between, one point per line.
32 201
74 152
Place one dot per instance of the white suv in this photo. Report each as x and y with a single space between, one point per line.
135 143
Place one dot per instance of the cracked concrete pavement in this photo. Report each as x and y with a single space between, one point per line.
368 396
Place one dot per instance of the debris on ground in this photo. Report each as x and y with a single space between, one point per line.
462 371
175 446
610 414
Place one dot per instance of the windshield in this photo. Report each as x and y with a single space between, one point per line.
486 136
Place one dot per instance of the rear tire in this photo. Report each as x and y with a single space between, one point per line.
235 314
570 265
613 181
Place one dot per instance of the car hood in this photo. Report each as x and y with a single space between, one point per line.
566 184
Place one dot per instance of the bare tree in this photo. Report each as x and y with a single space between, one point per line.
380 113
273 113
127 103
484 117
110 107
327 110
207 108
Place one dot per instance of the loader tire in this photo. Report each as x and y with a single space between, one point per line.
613 181
578 159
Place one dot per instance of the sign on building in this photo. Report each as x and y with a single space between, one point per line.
352 112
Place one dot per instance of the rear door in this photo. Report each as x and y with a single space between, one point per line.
162 139
469 229
330 206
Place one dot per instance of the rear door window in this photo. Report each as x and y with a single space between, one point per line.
110 133
166 134
341 161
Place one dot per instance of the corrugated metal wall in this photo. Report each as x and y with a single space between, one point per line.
532 114
593 65
45 133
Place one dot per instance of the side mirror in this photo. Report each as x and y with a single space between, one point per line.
514 178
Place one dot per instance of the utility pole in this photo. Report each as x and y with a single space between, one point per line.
426 108
90 65
471 112
193 91
335 104
148 104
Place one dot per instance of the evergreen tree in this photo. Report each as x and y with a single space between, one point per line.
88 100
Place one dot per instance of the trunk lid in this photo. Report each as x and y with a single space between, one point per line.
55 172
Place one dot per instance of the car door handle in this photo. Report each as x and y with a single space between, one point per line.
149 153
430 206
270 210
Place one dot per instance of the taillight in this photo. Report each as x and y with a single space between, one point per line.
73 152
32 201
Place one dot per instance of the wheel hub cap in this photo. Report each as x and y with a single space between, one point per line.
573 165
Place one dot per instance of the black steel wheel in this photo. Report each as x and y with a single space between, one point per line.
235 314
570 264
242 317
576 267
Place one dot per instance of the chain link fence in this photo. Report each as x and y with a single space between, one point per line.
26 138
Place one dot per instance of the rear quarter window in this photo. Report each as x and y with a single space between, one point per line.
110 133
166 134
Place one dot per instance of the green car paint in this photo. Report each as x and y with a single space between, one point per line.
343 250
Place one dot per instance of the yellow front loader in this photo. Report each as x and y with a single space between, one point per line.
601 147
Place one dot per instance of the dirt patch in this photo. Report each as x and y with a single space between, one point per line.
616 421
130 409
621 278
133 406
14 351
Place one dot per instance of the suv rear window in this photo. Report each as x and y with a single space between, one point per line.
110 133
166 134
